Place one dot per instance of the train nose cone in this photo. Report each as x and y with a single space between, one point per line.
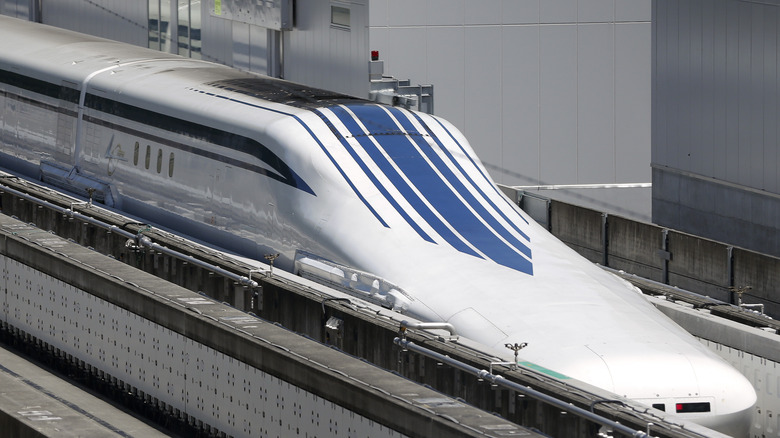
704 388
640 371
734 397
694 384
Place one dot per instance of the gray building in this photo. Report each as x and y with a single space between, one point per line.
548 92
715 120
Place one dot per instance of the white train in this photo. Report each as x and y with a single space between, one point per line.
389 202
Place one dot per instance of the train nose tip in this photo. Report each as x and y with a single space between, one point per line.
696 385
735 401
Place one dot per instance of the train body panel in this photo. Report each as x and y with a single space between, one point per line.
260 166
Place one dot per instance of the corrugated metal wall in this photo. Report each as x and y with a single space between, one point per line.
715 120
119 20
547 91
716 87
15 8
320 54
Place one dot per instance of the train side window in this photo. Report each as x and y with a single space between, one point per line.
135 153
660 406
170 165
159 160
148 156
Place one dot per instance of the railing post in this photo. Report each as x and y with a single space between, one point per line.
604 239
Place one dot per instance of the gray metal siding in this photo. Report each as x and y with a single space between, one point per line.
217 39
558 92
120 20
632 109
716 85
15 8
318 54
520 103
715 119
547 92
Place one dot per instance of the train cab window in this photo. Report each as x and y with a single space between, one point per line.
170 165
148 157
135 153
159 160
660 406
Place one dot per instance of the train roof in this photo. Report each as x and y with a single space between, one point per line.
284 92
42 47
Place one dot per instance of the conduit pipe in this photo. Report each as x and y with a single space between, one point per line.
139 240
429 326
500 381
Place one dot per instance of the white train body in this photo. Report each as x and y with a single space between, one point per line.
261 166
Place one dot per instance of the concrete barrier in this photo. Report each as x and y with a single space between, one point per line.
671 257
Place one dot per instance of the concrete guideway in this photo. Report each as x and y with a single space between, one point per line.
198 360
35 402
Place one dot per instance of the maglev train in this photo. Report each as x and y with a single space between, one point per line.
390 202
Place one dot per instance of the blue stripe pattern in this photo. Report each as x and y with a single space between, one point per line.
495 189
374 180
406 191
478 228
487 180
458 185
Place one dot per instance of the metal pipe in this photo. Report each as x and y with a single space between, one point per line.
584 186
429 326
500 381
140 241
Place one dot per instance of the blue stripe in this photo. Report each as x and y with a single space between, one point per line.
458 185
485 177
343 174
427 181
373 179
398 182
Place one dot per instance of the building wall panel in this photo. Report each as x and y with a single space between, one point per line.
514 12
520 103
114 19
321 55
441 12
484 12
770 103
217 39
15 8
241 43
632 10
558 90
595 101
715 118
558 11
483 114
631 126
446 67
596 11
